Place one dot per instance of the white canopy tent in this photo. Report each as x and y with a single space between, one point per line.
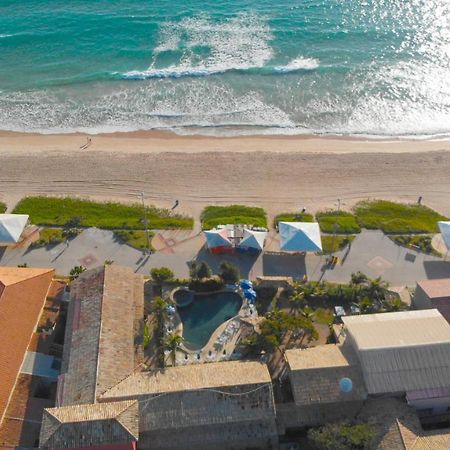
444 228
217 238
11 227
300 237
253 239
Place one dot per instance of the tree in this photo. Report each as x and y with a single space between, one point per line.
342 436
76 271
161 274
173 343
199 270
395 305
377 288
229 273
297 299
159 308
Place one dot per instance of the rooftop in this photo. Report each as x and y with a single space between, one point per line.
316 374
398 329
436 288
22 296
192 377
86 425
100 332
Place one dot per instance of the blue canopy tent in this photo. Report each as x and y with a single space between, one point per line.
253 241
300 237
250 294
246 284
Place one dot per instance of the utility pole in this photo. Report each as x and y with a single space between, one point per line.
145 222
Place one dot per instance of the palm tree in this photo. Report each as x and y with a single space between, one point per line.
308 313
297 299
377 288
173 342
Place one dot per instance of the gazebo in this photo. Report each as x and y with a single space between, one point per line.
300 237
444 228
218 241
11 228
253 241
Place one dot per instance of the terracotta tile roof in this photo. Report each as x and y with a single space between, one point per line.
192 377
21 301
87 425
316 372
436 288
99 350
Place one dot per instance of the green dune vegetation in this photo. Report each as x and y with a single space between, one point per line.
397 218
341 222
293 217
331 244
2 208
135 238
52 211
233 214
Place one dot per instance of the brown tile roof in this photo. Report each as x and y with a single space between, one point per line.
99 350
315 374
192 377
436 288
22 296
87 425
432 440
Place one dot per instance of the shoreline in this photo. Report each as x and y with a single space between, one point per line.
166 141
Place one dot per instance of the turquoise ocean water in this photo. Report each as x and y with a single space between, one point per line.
358 67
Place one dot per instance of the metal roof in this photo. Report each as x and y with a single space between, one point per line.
398 329
436 288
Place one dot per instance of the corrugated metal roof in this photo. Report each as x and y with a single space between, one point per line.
185 378
398 329
316 357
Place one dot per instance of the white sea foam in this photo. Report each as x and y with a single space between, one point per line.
299 63
210 47
5 35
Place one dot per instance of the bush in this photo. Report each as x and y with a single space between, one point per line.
135 238
293 217
73 212
338 221
48 237
2 207
76 271
397 218
161 274
206 284
199 270
233 214
416 242
331 244
342 436
229 273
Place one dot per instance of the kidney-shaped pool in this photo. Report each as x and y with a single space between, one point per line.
202 313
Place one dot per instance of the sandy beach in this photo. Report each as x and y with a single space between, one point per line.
278 173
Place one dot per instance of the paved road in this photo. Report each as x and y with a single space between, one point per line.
371 252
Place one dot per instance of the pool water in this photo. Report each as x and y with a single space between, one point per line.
205 314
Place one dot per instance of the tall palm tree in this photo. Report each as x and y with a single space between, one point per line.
173 343
308 313
377 288
297 300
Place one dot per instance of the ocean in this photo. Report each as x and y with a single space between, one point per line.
377 68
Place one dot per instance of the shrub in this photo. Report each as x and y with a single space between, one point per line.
206 284
2 208
342 436
161 274
76 271
229 273
199 270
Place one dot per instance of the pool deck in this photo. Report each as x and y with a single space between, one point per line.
221 344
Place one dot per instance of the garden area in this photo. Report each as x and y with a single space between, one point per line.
233 214
418 242
53 211
135 238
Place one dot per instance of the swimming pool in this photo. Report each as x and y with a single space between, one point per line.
204 314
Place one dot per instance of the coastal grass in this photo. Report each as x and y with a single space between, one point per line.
420 242
233 214
331 244
48 237
293 217
2 208
135 238
338 222
55 211
397 218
